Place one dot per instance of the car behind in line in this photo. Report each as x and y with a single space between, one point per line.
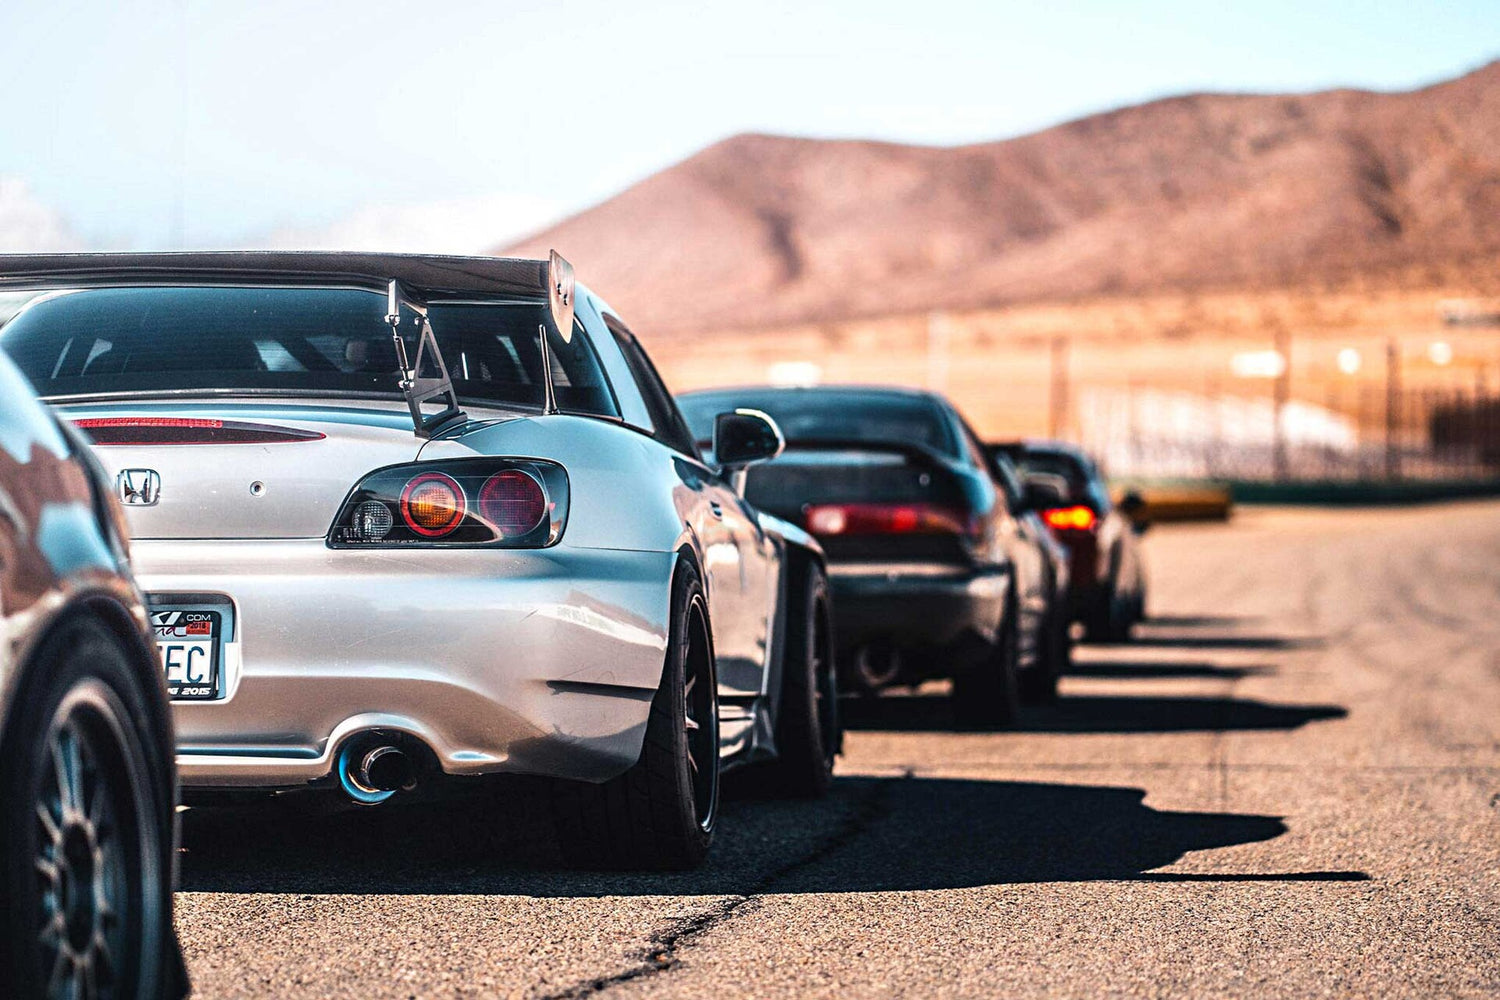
937 570
1108 590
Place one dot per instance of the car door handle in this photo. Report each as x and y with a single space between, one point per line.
718 511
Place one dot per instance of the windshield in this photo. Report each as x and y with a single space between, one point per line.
324 340
830 415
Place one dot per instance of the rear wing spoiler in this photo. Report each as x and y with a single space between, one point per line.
916 454
409 281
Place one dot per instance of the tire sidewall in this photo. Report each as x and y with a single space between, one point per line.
80 653
688 598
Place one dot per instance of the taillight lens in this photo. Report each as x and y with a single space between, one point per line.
1079 518
513 502
433 504
888 519
503 503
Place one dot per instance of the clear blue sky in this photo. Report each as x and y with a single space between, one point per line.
258 115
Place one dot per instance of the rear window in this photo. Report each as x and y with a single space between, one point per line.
145 340
1084 485
1051 463
813 415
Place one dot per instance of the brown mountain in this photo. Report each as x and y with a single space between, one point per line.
1196 192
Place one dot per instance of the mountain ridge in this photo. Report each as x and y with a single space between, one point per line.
1191 192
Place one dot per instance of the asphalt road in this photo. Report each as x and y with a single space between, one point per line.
1290 785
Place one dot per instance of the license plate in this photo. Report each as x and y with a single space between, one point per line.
189 641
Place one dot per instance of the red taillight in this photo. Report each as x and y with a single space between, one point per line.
432 504
187 430
887 519
512 502
1079 518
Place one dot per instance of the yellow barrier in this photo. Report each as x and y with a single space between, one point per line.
1167 503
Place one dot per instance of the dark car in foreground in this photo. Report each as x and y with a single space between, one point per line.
934 572
1108 591
87 784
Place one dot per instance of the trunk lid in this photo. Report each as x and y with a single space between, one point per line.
209 456
810 474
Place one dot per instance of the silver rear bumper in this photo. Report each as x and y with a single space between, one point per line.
540 662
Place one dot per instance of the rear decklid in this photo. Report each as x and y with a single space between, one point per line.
888 501
241 470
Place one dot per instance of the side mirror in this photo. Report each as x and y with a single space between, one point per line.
1133 506
745 437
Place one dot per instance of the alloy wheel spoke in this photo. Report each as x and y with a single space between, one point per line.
53 929
89 981
61 966
103 964
49 824
69 764
49 870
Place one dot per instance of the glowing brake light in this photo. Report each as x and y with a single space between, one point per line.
888 519
1079 518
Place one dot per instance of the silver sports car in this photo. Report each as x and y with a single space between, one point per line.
407 518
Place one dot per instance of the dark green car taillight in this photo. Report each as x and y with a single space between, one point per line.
482 502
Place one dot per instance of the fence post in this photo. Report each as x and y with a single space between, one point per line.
1392 408
1057 415
1281 394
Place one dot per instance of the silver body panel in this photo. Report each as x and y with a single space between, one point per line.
539 661
532 661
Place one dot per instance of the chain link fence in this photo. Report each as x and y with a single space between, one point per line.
1421 402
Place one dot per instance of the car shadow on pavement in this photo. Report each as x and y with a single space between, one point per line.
870 834
1147 639
1143 669
1200 621
1094 714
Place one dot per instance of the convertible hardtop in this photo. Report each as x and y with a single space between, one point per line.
435 276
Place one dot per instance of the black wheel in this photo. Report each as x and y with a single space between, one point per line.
987 693
87 784
1039 685
808 731
1111 620
661 813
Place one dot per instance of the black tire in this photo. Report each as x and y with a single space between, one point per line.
661 813
87 840
1111 620
808 730
987 693
1039 685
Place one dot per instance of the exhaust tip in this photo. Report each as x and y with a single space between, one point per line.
386 769
370 772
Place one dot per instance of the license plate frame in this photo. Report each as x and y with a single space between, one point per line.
190 642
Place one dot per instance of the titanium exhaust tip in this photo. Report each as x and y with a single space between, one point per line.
385 769
370 776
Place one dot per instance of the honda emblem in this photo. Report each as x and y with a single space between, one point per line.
138 487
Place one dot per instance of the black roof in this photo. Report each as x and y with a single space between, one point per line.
436 275
1040 446
829 389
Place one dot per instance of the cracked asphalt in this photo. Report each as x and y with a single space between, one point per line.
1290 785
